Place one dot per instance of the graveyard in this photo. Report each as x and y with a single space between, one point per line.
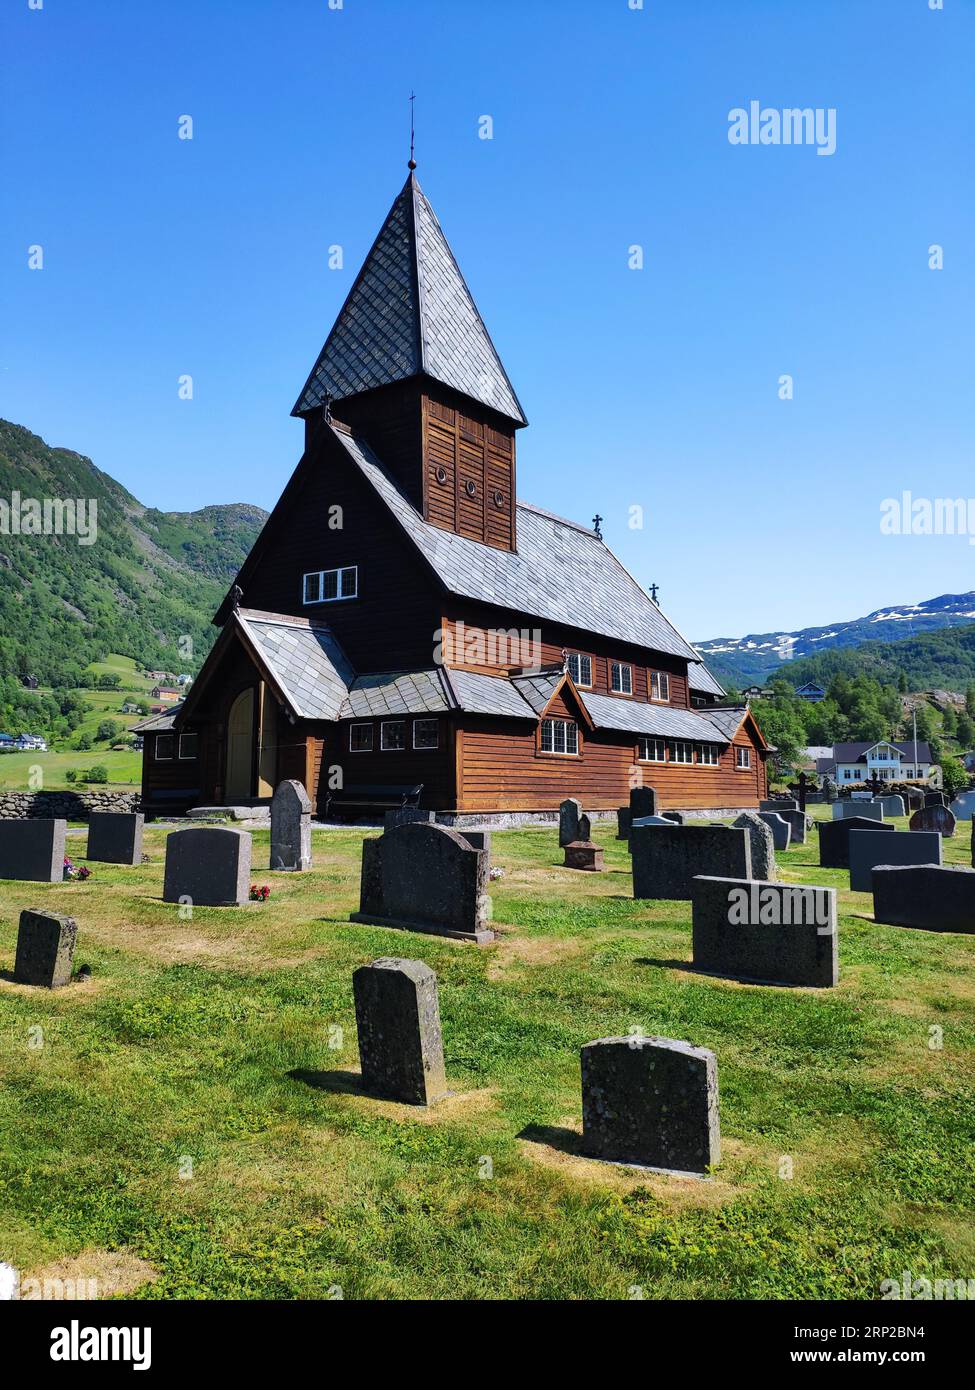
187 1117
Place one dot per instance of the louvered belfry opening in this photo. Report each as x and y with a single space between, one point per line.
410 366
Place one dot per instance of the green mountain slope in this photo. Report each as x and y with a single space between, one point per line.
149 581
934 660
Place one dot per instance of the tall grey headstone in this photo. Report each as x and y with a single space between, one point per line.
397 1012
45 949
115 837
868 848
762 845
891 806
963 806
931 897
652 1102
834 839
209 866
781 829
290 827
772 933
666 862
32 850
570 819
426 878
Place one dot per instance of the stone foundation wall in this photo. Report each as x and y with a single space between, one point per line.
64 805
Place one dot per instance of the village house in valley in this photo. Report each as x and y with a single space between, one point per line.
402 622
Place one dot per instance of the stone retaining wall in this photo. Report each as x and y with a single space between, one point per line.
64 805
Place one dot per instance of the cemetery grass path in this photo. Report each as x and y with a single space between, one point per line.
186 1107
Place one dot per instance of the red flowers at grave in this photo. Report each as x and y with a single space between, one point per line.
75 872
260 895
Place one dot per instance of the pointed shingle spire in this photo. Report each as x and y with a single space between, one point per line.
410 312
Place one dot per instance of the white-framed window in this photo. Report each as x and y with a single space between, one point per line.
328 586
743 759
659 685
189 747
360 738
165 748
426 733
709 754
621 678
681 752
580 668
560 736
652 750
392 735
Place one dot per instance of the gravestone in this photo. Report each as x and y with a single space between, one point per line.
865 810
651 1102
914 798
407 815
664 821
799 824
570 822
665 863
425 878
932 897
210 866
775 804
935 799
675 816
478 837
934 817
761 843
45 949
834 839
772 933
963 806
781 829
830 790
290 827
623 823
890 806
868 848
643 802
583 854
32 850
115 838
397 1014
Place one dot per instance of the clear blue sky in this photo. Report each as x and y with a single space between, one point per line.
656 388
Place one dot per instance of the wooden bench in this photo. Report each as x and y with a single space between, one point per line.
372 796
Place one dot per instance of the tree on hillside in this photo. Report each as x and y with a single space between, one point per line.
966 731
782 726
954 778
949 722
970 700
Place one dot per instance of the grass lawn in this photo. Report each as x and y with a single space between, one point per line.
189 1129
124 770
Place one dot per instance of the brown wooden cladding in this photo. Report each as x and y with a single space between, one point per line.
434 767
469 474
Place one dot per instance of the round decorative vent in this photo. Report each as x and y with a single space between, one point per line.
499 500
470 489
441 475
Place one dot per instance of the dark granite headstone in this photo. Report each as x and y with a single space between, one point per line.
623 823
115 838
209 866
776 933
834 839
675 816
397 1013
666 862
762 845
45 948
652 1102
664 821
935 799
932 897
33 850
868 848
425 878
583 854
643 802
781 830
407 815
290 827
934 817
477 837
570 819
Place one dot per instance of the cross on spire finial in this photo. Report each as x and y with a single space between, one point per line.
412 164
597 522
654 591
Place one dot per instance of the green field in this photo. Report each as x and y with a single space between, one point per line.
187 1130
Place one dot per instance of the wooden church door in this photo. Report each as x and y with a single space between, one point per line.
240 747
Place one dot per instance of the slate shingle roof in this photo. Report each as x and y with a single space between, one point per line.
560 572
157 723
700 678
392 692
479 694
307 662
656 721
410 311
857 752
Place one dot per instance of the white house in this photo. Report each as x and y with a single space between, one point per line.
851 763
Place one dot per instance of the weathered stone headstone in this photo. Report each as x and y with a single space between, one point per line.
868 848
290 827
623 823
773 933
570 818
664 821
407 815
32 850
798 822
830 790
891 806
963 806
643 802
397 1014
834 839
583 854
652 1102
935 799
931 897
45 949
779 804
865 810
115 838
210 866
934 817
675 816
781 829
666 862
425 878
762 845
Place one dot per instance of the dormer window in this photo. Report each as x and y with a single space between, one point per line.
659 686
580 668
621 678
328 586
